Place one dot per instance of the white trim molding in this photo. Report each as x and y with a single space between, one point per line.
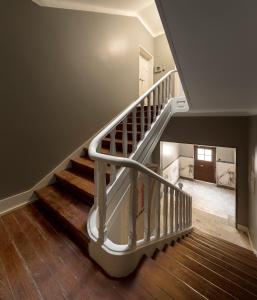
72 5
245 229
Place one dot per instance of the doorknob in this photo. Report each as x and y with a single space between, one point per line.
201 166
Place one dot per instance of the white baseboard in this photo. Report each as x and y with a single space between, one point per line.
246 230
16 201
242 228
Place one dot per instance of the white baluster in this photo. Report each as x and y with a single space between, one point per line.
147 209
165 211
157 209
101 198
190 211
154 104
134 128
133 203
170 87
162 99
176 210
125 138
159 99
180 210
171 210
184 212
113 152
167 89
187 214
149 112
173 85
142 119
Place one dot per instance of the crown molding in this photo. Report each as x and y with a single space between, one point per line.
91 8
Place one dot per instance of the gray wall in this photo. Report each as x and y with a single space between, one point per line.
253 179
162 56
63 74
217 131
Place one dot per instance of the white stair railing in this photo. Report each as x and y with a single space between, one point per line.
171 213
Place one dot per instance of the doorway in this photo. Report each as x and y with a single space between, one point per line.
213 194
205 163
145 71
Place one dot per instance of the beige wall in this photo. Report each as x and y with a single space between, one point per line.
186 150
162 56
169 152
253 180
64 74
219 131
226 154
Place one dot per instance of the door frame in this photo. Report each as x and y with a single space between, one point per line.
148 56
214 160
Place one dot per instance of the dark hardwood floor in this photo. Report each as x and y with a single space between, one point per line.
39 261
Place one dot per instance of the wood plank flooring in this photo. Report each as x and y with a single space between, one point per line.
39 261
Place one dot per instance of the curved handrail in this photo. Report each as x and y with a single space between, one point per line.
127 162
97 139
161 92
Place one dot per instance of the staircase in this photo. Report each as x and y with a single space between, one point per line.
86 198
201 266
70 198
172 260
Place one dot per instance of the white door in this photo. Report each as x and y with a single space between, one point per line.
145 74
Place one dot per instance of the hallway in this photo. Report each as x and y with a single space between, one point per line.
212 199
214 211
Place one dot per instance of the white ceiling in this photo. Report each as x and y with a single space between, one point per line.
214 47
144 10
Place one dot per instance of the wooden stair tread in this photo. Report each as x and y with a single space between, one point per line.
215 273
173 286
105 151
87 164
227 244
233 254
195 280
84 161
82 185
209 272
66 206
225 257
219 262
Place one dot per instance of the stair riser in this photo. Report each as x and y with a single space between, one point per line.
76 235
87 170
82 195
